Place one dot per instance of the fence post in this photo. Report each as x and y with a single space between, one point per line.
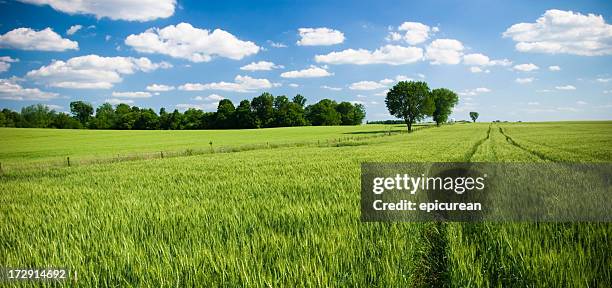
68 161
212 150
162 154
1 171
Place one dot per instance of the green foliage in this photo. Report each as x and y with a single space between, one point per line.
323 113
82 111
410 101
263 108
245 118
474 116
444 101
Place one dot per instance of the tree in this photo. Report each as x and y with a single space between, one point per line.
225 115
64 121
300 100
323 113
410 101
245 119
37 116
444 101
82 111
474 116
105 117
263 108
359 114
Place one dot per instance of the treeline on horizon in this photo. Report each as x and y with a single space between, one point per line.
262 112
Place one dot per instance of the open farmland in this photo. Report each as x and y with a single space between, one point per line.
284 216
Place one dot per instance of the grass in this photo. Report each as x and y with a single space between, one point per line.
289 216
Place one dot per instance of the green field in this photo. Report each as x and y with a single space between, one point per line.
283 215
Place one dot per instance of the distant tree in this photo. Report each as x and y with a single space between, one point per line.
146 119
82 111
245 118
299 99
124 117
37 116
105 117
474 116
263 107
11 118
410 101
64 121
175 120
323 113
225 115
444 101
359 114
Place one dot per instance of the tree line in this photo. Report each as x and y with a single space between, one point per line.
412 101
262 111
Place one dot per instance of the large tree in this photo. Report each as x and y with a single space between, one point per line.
245 119
225 115
444 101
323 113
263 107
474 116
82 111
410 101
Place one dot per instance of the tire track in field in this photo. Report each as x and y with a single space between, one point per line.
538 154
477 145
433 267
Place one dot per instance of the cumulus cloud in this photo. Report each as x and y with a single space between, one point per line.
294 85
43 40
240 84
413 33
331 88
211 97
319 37
603 80
526 67
277 44
554 68
92 71
115 101
477 69
374 85
312 72
477 59
474 92
565 87
138 94
261 66
444 51
5 63
130 10
388 54
187 42
159 88
568 32
73 29
10 90
524 80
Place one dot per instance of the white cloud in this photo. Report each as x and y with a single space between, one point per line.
444 51
201 106
477 59
43 40
526 67
566 87
474 92
554 68
566 32
115 101
388 54
581 103
10 90
5 63
607 92
261 66
331 88
294 85
366 85
319 37
92 71
211 97
476 69
130 10
138 94
414 33
240 84
187 42
277 44
604 80
159 88
73 29
524 80
533 103
311 72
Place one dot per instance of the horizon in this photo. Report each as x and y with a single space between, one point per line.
520 61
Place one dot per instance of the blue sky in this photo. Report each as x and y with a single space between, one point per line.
554 66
